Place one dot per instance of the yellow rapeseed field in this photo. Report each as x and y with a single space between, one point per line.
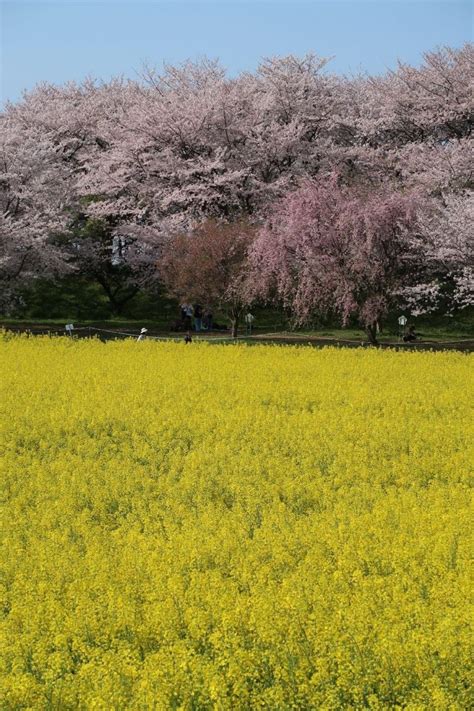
233 527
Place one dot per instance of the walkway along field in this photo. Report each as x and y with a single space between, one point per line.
108 333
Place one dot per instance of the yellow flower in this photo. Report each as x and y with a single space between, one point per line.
233 527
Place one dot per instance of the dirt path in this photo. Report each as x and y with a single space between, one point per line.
106 334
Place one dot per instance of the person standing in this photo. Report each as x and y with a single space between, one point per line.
208 319
249 319
197 317
182 310
188 319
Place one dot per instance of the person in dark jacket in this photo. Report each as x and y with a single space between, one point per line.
208 319
411 335
197 317
188 318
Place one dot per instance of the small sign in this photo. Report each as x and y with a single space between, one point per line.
402 320
69 328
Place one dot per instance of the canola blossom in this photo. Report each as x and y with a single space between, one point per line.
234 527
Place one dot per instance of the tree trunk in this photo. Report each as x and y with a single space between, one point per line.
116 303
116 307
371 330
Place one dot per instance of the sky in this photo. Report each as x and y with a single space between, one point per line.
69 40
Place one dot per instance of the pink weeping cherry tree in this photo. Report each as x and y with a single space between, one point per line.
331 249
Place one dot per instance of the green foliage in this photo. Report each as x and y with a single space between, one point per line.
72 297
75 297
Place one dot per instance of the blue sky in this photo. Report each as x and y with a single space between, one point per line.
67 39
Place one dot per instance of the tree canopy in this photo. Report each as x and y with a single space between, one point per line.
154 158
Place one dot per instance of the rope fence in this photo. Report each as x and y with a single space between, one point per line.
275 338
90 331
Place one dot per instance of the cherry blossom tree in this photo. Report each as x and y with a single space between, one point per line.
168 162
33 207
150 159
416 104
49 140
448 255
210 264
334 250
194 144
